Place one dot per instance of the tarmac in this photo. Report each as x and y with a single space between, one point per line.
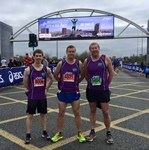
129 109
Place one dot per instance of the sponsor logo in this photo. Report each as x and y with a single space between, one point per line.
14 76
74 69
99 64
10 76
1 79
17 75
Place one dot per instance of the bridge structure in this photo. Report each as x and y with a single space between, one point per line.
89 12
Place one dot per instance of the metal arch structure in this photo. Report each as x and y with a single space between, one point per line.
12 38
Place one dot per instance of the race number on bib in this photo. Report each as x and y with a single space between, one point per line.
38 82
68 77
96 80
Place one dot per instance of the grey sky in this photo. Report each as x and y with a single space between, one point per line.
17 13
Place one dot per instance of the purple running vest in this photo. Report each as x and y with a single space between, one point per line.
97 74
37 84
69 77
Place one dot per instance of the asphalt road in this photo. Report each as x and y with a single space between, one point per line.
129 108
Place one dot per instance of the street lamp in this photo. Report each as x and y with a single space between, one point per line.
142 44
57 49
137 45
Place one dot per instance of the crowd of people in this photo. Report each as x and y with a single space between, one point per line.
97 70
13 62
26 61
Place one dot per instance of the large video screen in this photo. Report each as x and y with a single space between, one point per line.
69 28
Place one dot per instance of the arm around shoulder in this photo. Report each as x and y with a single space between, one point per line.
57 71
110 69
49 78
26 77
85 68
81 71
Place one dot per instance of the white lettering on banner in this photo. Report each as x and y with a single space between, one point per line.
10 76
18 75
1 79
15 75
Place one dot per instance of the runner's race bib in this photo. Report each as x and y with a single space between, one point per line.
68 77
38 82
96 80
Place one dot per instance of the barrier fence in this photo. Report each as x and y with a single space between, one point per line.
11 76
136 68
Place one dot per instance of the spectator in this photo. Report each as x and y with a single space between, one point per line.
17 62
11 63
27 60
45 62
142 68
115 64
4 63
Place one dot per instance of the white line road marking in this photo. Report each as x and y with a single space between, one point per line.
131 132
123 95
17 140
8 103
71 139
141 98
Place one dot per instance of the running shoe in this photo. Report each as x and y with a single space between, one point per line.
28 138
45 135
109 138
91 136
58 136
81 138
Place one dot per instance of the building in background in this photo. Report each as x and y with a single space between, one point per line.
6 47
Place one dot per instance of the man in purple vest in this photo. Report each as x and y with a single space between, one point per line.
99 74
37 80
68 73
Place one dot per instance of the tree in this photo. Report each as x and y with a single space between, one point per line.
82 56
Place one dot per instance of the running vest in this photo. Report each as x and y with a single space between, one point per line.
37 83
97 74
69 77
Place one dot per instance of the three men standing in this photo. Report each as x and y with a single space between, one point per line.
69 72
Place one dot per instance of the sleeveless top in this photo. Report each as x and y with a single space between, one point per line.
69 77
37 83
97 74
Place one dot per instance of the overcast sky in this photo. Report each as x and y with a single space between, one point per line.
17 13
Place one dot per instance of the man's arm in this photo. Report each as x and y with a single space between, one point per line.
110 69
26 78
85 68
81 77
57 71
49 79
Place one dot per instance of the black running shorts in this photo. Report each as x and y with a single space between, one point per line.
98 96
40 105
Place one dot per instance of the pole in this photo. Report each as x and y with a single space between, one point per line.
57 49
33 48
137 46
147 59
142 46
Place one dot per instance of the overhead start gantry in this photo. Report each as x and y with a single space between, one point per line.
90 12
120 34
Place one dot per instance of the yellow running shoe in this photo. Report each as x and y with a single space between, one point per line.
81 138
58 136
